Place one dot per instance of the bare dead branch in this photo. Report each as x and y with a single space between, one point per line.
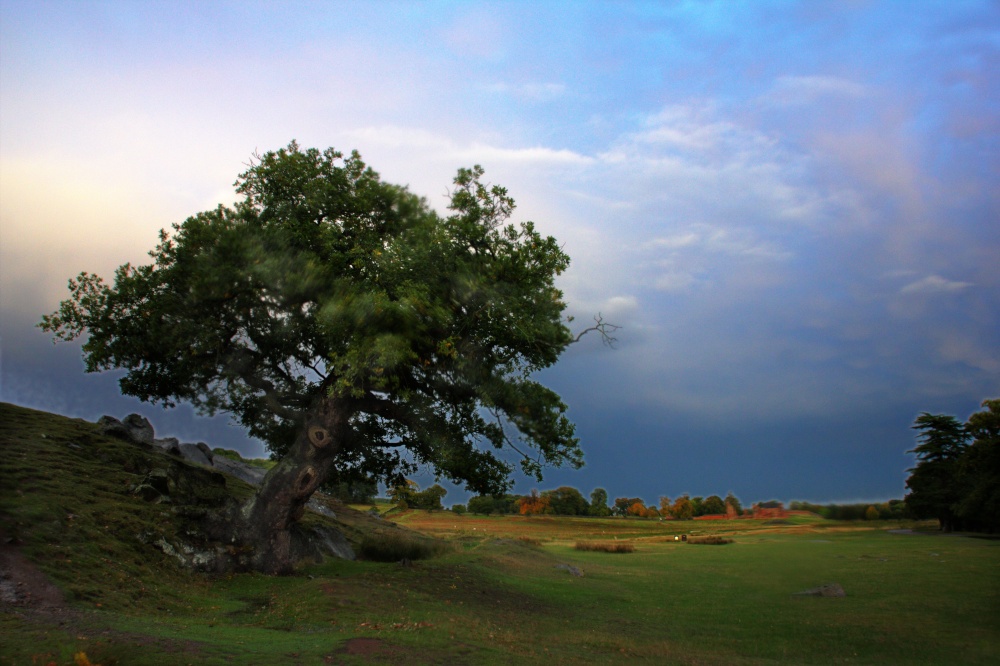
604 328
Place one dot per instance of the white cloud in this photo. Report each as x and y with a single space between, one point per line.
738 241
793 90
934 284
441 147
676 241
536 154
531 91
619 305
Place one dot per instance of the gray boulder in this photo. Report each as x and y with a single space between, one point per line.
171 445
241 470
194 453
576 571
830 590
316 506
330 542
135 428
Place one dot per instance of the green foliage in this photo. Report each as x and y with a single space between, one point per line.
430 499
483 504
326 285
623 505
733 505
599 503
683 508
360 491
567 501
489 504
493 600
955 481
979 472
459 509
713 504
932 482
409 493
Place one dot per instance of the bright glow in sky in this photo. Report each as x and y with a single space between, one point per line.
791 207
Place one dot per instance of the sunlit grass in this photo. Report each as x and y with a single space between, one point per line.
499 591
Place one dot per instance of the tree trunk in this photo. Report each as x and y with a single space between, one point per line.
261 529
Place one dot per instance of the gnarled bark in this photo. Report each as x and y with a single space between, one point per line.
261 529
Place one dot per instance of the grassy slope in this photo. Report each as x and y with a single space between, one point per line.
492 599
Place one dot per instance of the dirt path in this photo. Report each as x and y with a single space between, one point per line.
23 585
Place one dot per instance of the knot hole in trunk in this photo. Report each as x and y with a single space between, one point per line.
319 437
306 479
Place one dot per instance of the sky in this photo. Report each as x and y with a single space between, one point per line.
791 208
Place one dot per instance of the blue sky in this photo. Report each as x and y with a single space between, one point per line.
792 208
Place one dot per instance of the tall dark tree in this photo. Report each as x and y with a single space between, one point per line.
713 504
733 506
979 472
599 503
933 483
346 324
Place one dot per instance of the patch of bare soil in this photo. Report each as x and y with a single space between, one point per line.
370 650
23 585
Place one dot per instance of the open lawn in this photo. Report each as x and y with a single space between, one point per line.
501 590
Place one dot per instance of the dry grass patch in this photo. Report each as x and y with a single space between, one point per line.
709 540
605 546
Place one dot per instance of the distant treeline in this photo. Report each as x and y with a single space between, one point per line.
893 509
568 501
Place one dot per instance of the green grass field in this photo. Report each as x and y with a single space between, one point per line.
498 593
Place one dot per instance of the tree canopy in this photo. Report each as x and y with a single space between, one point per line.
324 281
349 326
955 481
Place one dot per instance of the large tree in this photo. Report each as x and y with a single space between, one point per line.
342 321
567 501
933 483
979 471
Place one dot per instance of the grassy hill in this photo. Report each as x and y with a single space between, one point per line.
87 579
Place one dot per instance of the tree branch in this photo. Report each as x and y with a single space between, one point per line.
605 329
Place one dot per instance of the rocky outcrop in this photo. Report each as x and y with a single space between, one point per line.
135 428
200 487
138 430
177 483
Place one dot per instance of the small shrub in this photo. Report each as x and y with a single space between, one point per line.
397 546
530 541
605 546
709 540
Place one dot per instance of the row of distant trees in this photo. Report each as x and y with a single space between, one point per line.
568 501
957 476
893 509
956 480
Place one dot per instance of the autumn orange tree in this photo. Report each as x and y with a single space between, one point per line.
534 504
